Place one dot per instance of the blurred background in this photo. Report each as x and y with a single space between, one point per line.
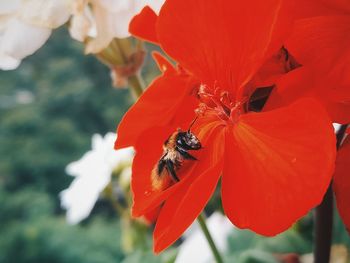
49 109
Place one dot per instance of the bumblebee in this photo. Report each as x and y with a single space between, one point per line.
175 151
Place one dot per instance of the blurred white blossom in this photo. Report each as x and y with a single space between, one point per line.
25 25
195 248
97 22
92 174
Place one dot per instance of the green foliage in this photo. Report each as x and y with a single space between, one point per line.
49 108
340 234
26 205
252 256
290 241
141 256
51 240
145 256
72 99
248 247
31 234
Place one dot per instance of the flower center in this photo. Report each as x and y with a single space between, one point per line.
220 102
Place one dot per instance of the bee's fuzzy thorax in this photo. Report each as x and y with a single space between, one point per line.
171 142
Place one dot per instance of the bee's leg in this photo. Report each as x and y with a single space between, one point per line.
171 170
186 155
160 166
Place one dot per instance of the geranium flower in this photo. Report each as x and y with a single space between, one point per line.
275 165
92 174
320 41
99 21
26 25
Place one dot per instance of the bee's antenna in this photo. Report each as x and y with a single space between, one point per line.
189 129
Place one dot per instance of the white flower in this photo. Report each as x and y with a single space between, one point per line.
25 25
195 248
104 20
92 174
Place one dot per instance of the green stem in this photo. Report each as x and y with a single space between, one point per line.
203 225
323 228
136 84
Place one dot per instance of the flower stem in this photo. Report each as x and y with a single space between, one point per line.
136 84
203 225
323 228
324 218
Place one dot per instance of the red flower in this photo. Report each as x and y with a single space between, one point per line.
275 165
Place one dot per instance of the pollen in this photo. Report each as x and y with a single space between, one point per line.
218 101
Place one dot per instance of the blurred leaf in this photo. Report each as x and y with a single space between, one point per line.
241 240
25 205
53 241
256 256
287 242
142 256
248 246
340 234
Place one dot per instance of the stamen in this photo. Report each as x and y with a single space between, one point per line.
202 108
217 100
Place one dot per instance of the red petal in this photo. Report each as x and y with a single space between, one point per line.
304 82
143 25
278 166
342 182
290 87
221 42
323 43
274 68
340 112
162 104
184 206
152 215
162 62
312 8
